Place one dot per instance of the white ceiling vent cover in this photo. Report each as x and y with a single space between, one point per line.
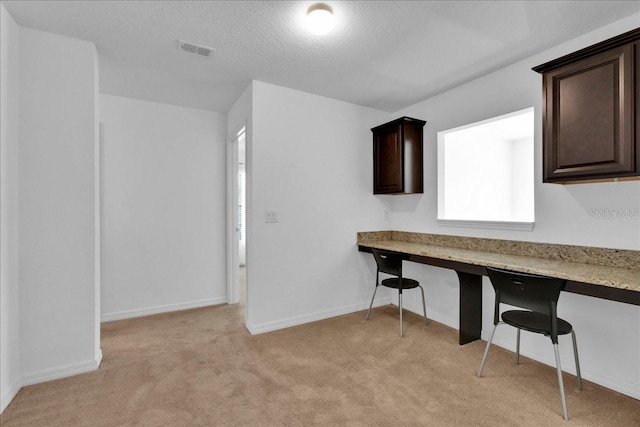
196 48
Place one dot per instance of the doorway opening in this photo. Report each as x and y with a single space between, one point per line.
242 216
236 219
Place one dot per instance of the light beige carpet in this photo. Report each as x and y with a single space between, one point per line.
202 368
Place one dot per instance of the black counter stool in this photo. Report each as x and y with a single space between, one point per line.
539 296
391 263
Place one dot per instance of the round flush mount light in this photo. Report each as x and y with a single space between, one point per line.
320 18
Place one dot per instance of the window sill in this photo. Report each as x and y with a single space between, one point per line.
496 225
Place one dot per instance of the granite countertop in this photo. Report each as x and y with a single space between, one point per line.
600 266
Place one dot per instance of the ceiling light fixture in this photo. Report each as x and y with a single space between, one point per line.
320 18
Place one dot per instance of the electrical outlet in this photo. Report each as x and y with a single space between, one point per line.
270 216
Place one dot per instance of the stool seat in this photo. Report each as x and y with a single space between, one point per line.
535 322
396 283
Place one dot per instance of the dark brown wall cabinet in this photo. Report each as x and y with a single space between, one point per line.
397 157
591 110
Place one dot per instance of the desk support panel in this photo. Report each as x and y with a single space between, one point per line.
470 307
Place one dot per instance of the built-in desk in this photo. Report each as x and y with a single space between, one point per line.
612 274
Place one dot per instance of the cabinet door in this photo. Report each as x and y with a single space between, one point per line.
588 129
387 161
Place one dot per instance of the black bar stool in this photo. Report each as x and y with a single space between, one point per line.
391 263
538 295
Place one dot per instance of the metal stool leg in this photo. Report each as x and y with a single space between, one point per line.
486 350
400 304
565 415
518 347
575 355
424 305
371 305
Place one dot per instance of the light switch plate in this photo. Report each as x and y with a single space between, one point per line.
270 216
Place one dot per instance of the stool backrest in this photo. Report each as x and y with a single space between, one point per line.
388 262
528 291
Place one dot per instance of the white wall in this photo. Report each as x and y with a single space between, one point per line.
163 207
562 211
9 286
309 158
608 332
56 169
240 114
522 171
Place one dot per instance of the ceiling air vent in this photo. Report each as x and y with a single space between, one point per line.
195 48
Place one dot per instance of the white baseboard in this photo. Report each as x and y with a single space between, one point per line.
64 371
620 385
50 374
299 320
138 312
8 397
308 318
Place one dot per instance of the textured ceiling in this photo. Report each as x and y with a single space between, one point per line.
382 54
